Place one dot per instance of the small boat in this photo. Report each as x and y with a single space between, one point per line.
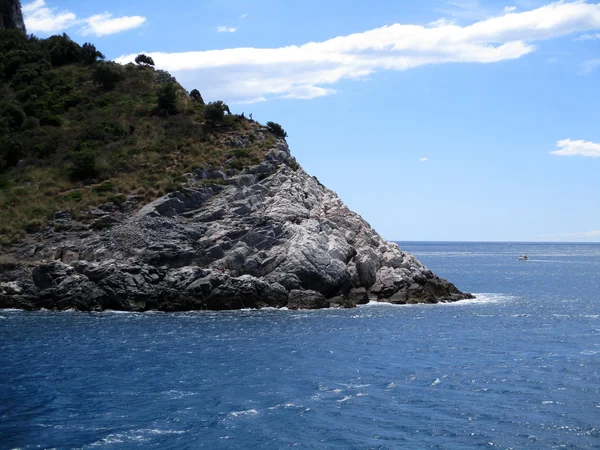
523 258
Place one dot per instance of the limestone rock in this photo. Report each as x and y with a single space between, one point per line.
269 236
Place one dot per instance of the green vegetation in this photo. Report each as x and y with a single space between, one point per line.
77 131
144 61
276 129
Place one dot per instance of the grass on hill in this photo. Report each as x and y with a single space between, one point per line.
76 131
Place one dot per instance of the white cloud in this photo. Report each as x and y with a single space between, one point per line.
588 37
311 70
567 147
588 67
243 16
104 24
226 29
41 19
424 159
509 9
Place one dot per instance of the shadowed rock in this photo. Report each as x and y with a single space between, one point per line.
270 236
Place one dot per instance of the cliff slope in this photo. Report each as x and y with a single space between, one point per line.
11 16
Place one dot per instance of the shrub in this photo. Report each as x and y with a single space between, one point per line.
62 50
118 199
108 74
196 97
89 54
50 121
11 116
107 186
214 113
74 196
11 150
167 99
84 164
276 129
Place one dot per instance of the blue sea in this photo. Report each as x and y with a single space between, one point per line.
518 367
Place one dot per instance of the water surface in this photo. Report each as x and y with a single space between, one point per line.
517 367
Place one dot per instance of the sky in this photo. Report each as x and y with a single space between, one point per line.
439 120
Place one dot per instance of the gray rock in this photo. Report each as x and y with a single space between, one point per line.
271 236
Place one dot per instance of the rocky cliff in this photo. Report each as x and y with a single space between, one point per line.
11 16
269 236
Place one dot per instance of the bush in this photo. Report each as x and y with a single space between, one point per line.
276 129
11 150
89 54
84 164
74 196
196 97
50 121
214 113
167 99
107 186
62 50
108 74
11 116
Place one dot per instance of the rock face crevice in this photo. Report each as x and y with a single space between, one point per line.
270 236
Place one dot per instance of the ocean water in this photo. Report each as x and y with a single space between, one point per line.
518 367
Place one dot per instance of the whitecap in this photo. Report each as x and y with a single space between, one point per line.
436 382
345 399
392 385
247 412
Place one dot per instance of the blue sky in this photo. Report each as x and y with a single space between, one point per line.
434 120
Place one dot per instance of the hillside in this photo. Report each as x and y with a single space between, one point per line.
77 132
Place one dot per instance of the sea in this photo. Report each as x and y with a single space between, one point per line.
517 367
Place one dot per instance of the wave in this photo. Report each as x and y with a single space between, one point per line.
480 298
247 412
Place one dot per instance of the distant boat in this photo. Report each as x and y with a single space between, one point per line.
523 258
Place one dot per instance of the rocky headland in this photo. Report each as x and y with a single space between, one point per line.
121 190
269 236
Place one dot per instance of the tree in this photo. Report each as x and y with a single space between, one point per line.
276 129
167 99
144 61
214 113
63 50
108 74
89 54
196 97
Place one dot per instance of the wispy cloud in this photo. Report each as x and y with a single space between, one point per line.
103 24
588 37
243 16
40 18
226 29
588 67
567 147
509 9
423 159
311 70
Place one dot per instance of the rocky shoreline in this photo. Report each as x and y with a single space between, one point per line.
271 236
